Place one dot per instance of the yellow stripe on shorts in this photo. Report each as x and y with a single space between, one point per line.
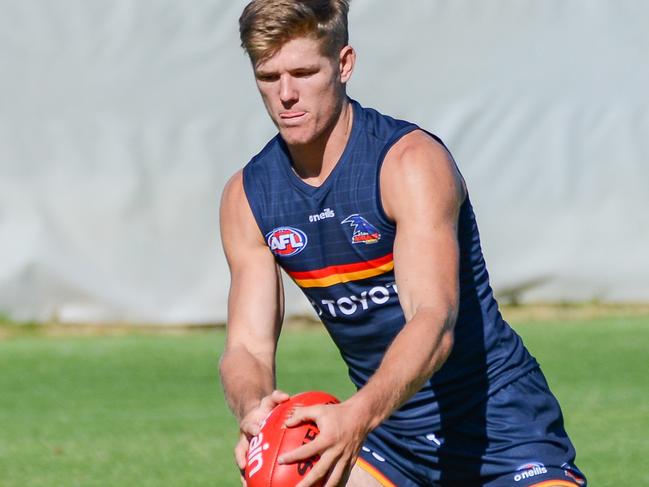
555 483
380 478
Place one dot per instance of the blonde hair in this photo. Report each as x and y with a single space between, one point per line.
266 25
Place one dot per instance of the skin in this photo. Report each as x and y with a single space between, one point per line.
306 101
248 361
421 191
304 94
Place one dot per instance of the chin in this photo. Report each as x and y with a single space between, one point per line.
295 137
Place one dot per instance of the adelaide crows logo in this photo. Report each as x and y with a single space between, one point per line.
364 231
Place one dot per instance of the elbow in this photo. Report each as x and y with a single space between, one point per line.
222 359
232 358
447 341
222 364
441 352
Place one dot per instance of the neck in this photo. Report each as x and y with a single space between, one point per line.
314 161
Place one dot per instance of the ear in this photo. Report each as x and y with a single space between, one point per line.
347 60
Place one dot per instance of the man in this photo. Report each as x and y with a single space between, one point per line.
371 218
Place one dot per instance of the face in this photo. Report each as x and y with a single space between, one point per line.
303 89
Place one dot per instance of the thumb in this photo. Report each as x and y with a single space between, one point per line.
250 428
279 396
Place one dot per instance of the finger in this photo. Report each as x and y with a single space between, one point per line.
303 452
318 472
251 422
338 476
249 428
279 396
240 451
300 415
272 400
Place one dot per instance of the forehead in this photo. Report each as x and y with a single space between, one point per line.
293 54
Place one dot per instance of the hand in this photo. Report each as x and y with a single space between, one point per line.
251 423
342 433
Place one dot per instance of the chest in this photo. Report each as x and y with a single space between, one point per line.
342 228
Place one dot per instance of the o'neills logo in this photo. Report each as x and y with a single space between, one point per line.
326 213
255 454
286 241
529 470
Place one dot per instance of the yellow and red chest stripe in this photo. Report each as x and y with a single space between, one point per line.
337 274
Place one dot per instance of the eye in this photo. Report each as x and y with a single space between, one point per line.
267 77
304 73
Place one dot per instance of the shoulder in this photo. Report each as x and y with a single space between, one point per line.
418 151
235 209
237 221
419 166
258 170
233 192
379 126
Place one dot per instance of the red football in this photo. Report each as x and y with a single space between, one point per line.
262 469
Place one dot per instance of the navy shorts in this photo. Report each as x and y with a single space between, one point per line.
516 438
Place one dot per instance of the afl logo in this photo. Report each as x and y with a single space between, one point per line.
286 241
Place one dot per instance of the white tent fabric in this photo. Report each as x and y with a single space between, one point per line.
121 120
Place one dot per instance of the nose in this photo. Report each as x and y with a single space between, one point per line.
287 89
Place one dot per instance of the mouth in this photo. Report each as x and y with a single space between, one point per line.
291 115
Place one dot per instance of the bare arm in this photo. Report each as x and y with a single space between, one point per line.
422 192
255 313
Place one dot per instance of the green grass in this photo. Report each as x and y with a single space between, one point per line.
148 410
599 370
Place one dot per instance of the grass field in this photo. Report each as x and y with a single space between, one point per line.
147 410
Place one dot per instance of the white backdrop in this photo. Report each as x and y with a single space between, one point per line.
121 120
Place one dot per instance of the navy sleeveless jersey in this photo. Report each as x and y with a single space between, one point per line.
336 243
